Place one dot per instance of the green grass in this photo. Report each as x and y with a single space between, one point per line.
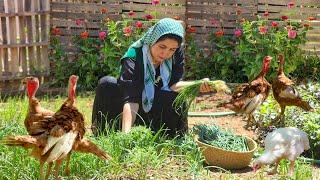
140 154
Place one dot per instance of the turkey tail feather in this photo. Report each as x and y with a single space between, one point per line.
63 146
306 106
23 141
87 146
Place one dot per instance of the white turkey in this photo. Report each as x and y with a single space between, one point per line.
283 143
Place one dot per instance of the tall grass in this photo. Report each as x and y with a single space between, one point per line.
140 154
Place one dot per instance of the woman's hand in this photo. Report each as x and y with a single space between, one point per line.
205 87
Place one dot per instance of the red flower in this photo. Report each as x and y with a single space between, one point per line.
284 18
127 31
56 31
274 24
191 29
155 2
242 20
311 18
219 33
290 4
306 25
139 24
238 33
266 13
149 17
78 22
176 17
131 13
102 35
84 35
263 30
104 10
292 34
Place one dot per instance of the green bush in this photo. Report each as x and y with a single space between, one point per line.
96 57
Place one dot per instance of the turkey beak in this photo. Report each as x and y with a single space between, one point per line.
255 168
23 83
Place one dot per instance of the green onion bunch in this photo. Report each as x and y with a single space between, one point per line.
217 137
189 93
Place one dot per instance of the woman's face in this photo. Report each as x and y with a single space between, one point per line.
163 50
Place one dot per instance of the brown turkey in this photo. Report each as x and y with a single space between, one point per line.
35 119
64 133
247 97
284 92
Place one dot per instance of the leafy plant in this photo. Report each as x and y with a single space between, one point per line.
96 57
260 38
296 117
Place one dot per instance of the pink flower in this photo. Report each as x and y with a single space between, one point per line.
131 13
214 22
149 17
155 2
290 4
263 30
284 18
102 35
238 33
139 24
78 22
292 34
266 13
127 31
274 24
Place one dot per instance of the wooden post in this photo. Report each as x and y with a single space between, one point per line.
12 38
21 27
1 49
31 26
45 29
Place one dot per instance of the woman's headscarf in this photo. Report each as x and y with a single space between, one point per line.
162 27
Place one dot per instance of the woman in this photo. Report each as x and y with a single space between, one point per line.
151 73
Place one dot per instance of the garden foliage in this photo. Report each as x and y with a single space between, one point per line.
238 58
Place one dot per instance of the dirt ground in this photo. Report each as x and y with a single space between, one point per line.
208 103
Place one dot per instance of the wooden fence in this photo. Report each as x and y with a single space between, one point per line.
24 24
301 12
24 40
165 8
207 16
73 17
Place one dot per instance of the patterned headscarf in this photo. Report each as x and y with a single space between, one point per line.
162 27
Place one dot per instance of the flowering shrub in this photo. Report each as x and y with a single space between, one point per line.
96 57
240 56
261 38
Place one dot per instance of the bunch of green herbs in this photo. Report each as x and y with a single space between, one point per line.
213 135
190 92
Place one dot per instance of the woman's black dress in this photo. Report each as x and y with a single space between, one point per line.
112 93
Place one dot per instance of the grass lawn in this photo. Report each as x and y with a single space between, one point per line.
140 154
